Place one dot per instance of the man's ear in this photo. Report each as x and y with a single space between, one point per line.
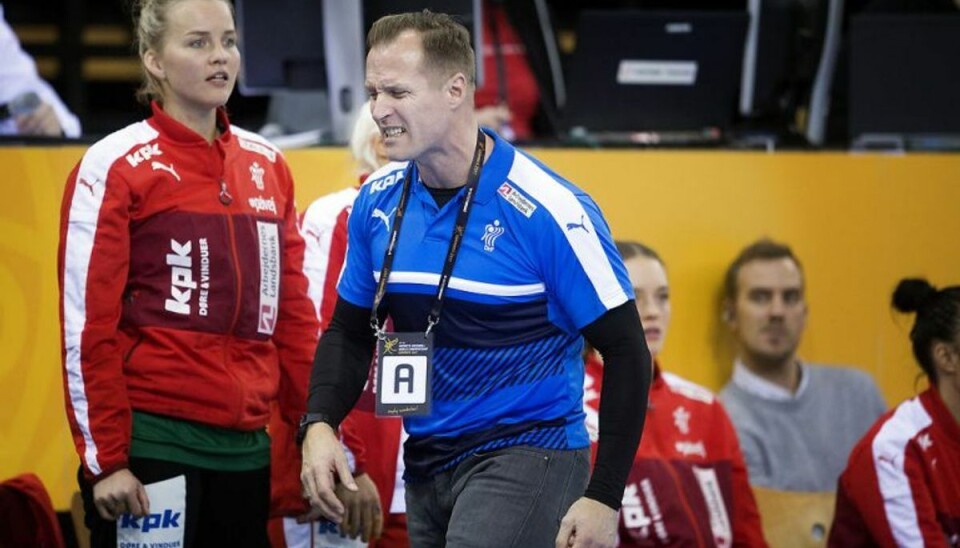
456 88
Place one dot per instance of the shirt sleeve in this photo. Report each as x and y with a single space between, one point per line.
579 262
93 260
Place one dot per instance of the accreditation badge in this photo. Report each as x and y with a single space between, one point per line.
404 371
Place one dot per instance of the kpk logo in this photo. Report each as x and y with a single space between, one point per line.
182 281
168 519
385 182
144 153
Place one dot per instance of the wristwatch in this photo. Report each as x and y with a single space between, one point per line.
309 418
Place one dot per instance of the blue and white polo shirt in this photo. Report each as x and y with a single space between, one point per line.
536 265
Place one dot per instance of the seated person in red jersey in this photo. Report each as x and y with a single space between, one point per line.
901 486
688 484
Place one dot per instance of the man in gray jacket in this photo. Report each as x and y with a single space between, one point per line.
796 421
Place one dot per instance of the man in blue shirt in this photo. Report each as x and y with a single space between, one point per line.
498 267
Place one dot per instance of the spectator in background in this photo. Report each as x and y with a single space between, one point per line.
797 421
373 443
522 88
184 306
28 105
688 482
902 482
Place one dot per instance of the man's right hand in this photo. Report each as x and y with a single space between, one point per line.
324 462
119 493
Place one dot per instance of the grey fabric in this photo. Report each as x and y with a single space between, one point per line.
803 444
509 497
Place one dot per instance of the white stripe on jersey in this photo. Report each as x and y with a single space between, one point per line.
81 232
461 284
564 207
889 451
317 227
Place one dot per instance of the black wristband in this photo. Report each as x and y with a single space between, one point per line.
309 418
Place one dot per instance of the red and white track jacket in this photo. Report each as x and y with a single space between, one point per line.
181 283
688 485
901 486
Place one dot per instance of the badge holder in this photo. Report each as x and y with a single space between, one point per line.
404 374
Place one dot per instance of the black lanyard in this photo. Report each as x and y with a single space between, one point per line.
455 240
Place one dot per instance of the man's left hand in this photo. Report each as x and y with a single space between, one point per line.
588 524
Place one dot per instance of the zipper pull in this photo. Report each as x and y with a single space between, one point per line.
225 197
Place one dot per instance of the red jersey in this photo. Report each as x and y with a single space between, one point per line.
688 485
901 486
181 283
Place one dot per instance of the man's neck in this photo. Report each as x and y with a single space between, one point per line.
449 166
785 373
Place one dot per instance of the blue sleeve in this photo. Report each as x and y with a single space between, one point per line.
579 262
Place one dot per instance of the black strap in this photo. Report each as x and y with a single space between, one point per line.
455 240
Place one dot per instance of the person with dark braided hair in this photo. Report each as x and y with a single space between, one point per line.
902 482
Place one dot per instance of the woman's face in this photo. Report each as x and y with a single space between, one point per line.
198 61
649 281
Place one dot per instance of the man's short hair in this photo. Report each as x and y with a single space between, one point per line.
760 250
446 42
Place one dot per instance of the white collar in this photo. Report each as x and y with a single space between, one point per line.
762 388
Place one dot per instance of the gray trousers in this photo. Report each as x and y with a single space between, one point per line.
514 496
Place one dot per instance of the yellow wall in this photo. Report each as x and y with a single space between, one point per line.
859 223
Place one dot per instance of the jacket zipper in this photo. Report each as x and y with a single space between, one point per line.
226 199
